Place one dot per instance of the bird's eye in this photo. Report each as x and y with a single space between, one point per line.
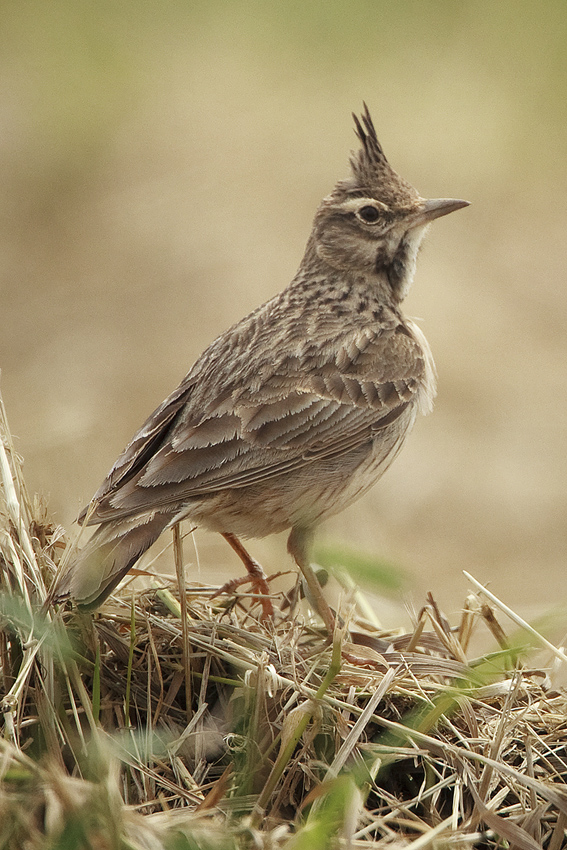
368 214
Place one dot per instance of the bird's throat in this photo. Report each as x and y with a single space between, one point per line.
400 268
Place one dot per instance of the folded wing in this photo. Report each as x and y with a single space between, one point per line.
297 417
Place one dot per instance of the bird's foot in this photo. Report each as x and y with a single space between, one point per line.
258 579
256 576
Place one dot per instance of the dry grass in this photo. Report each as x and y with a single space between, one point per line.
142 728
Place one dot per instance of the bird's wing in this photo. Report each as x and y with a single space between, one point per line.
141 448
300 414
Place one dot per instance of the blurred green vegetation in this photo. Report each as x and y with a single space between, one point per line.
73 67
365 570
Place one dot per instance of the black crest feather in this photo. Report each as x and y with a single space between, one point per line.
371 147
371 172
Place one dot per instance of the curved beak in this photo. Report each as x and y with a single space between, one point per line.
435 208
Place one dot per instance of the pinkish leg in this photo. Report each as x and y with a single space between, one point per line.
256 576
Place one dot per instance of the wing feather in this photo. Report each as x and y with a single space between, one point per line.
296 417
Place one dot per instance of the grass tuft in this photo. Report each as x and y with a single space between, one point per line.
279 740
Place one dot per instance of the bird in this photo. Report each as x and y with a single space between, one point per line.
294 412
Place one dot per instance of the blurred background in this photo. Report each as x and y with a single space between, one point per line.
160 166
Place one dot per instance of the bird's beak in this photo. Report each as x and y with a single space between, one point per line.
435 208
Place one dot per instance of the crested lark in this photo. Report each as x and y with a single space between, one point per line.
294 412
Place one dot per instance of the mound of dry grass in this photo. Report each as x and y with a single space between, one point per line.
174 718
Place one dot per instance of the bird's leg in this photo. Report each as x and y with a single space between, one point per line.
298 547
256 576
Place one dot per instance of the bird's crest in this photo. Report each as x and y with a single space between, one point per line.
370 160
372 174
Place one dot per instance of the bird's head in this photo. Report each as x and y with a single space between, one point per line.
373 222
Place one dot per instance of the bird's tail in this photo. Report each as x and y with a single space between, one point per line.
113 549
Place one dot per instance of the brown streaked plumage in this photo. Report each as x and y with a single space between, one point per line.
294 412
